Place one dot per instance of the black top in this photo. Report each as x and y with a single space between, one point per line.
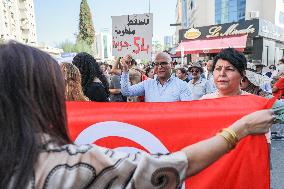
186 80
96 92
115 84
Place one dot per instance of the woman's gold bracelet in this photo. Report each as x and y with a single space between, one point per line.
230 136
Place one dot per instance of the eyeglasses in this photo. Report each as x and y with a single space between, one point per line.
161 63
194 71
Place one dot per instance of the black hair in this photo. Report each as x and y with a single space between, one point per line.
147 70
32 102
89 70
237 59
103 64
182 70
133 62
281 60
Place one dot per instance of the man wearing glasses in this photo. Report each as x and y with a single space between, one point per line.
165 88
198 85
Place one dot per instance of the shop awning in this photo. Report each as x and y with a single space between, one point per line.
213 45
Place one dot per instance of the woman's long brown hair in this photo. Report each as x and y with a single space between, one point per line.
32 102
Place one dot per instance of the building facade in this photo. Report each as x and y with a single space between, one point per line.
229 11
104 45
201 13
168 41
17 21
259 40
178 11
226 20
210 12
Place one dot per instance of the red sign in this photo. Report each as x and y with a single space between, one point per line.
163 127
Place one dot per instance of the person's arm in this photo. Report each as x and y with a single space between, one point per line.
133 90
116 67
204 153
126 89
114 91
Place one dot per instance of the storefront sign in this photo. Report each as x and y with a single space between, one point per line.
216 31
269 30
192 33
249 27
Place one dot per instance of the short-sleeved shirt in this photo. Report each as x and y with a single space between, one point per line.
91 166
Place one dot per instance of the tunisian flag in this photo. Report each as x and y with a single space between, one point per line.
168 127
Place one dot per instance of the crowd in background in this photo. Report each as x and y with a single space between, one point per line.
101 81
166 81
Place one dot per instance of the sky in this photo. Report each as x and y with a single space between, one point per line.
57 20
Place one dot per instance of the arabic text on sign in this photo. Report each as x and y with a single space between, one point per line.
140 45
119 45
127 31
137 22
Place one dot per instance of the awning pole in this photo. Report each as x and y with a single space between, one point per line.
182 55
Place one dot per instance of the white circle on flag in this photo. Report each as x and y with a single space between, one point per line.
119 129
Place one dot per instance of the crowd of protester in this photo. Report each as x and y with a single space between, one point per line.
160 80
36 151
101 81
164 80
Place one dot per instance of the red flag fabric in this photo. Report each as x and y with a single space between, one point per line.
168 127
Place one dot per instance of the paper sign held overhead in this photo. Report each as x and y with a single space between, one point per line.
132 34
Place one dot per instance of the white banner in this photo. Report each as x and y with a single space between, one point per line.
132 34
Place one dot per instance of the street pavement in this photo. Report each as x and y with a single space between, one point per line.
277 161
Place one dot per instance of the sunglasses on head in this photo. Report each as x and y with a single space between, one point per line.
161 63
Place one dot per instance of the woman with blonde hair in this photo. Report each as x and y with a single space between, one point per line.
72 77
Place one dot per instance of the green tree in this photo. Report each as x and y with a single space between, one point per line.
2 39
86 28
79 46
157 46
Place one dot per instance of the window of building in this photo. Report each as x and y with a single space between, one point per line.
281 18
229 10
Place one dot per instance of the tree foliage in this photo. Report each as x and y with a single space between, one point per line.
157 46
79 46
86 28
